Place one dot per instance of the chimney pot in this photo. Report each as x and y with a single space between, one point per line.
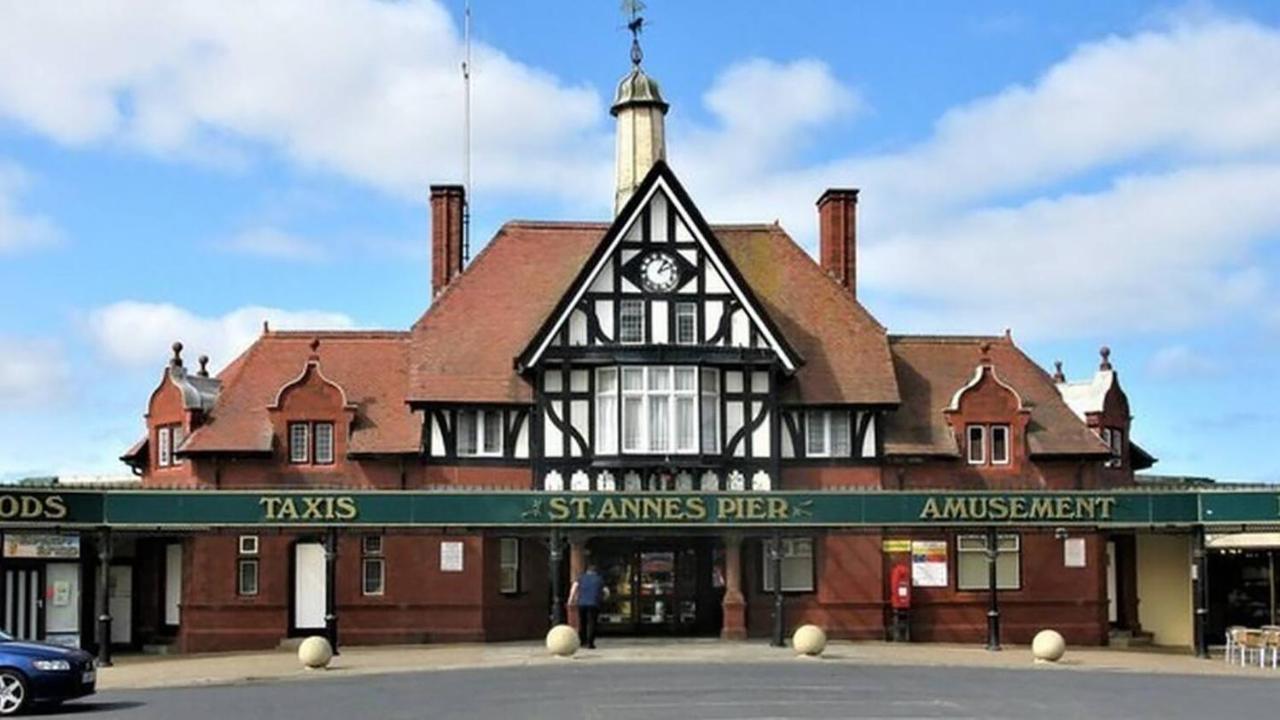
838 235
448 203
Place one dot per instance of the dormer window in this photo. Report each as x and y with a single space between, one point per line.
168 439
311 443
479 433
988 445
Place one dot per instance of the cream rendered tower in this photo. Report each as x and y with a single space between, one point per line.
640 110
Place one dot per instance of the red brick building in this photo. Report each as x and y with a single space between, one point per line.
655 353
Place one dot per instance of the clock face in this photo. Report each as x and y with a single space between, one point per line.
659 272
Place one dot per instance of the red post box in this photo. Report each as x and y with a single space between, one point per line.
900 587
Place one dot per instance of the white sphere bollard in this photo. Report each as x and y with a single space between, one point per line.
809 640
1048 646
315 653
562 641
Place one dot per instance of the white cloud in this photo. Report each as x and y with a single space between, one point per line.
139 334
32 372
369 90
270 242
20 230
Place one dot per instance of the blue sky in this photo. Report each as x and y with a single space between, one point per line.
1086 173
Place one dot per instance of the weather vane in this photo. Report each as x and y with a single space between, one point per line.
633 8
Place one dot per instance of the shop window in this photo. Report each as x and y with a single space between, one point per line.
686 323
971 562
631 321
479 433
373 566
509 565
797 565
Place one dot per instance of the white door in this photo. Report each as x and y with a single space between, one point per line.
62 604
309 586
121 604
172 584
1113 608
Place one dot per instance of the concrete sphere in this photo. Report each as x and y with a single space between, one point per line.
809 640
562 640
1048 646
315 652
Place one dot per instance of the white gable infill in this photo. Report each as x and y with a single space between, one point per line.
977 378
717 263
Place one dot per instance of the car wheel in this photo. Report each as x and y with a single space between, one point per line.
13 692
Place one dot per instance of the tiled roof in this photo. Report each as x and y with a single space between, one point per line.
371 367
930 369
464 346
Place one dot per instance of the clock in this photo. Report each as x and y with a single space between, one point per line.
659 272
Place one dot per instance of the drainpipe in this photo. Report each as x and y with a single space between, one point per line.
1200 590
102 602
331 587
557 557
779 622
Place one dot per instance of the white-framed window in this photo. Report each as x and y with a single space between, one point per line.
828 433
686 323
248 544
971 562
509 565
1114 438
164 446
299 442
797 565
659 409
247 577
606 411
373 566
631 321
479 433
999 444
977 444
710 411
324 443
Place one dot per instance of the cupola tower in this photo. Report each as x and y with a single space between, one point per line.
640 110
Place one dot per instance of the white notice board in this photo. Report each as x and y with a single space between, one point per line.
1073 555
451 556
929 563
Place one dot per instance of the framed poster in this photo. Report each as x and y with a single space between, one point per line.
41 546
929 563
1073 554
451 556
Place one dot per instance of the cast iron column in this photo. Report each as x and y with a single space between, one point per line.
1200 588
331 587
779 622
557 558
993 610
102 600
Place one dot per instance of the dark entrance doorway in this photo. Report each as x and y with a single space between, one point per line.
660 586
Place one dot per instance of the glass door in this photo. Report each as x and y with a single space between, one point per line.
656 589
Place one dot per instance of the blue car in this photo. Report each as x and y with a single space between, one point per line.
36 673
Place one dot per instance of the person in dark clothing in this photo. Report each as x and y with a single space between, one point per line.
587 593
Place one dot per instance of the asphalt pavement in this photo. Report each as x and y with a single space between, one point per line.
798 689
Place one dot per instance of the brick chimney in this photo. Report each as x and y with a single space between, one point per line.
447 206
838 235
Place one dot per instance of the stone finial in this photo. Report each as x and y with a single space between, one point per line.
204 366
986 353
1058 375
315 348
266 327
1008 334
176 360
1105 352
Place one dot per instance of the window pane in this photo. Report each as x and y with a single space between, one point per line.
631 422
631 321
659 378
632 379
175 442
372 545
840 433
816 432
710 424
299 443
607 380
492 432
686 323
247 580
659 428
607 424
686 424
373 576
509 566
164 455
999 444
711 381
686 379
324 442
467 431
977 453
1007 571
971 571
